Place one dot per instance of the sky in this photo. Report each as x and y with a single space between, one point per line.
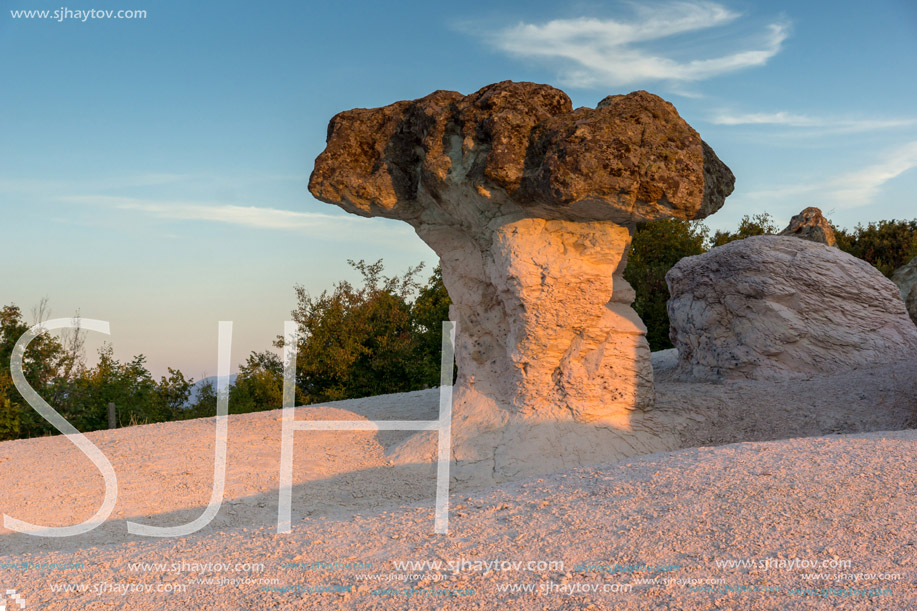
153 168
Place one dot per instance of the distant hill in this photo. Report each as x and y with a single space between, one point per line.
195 389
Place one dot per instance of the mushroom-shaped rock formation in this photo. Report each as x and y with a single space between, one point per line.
772 307
530 206
811 225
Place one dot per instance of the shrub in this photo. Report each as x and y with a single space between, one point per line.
656 247
371 340
887 245
758 224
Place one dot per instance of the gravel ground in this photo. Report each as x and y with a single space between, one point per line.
816 522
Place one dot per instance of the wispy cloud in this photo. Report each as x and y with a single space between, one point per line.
47 185
792 120
599 52
861 187
257 217
851 189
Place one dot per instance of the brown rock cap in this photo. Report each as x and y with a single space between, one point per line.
632 158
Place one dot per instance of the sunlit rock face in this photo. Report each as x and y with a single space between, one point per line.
530 206
772 307
811 225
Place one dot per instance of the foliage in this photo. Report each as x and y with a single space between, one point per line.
358 342
138 399
55 369
656 247
354 342
47 366
758 224
887 245
429 311
383 336
259 384
204 404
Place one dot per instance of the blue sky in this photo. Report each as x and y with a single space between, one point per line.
153 171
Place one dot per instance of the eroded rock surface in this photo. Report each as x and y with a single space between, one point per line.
530 205
771 307
811 225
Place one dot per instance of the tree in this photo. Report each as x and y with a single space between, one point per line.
758 224
175 390
46 366
259 385
130 386
887 245
372 339
357 342
656 247
428 312
204 404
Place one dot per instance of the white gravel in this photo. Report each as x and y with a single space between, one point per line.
844 500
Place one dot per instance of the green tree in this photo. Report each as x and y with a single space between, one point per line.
259 385
175 390
887 245
130 386
758 224
656 247
357 342
204 404
428 312
46 365
10 418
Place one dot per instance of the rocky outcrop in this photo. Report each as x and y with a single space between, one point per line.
530 205
811 225
905 278
771 307
911 304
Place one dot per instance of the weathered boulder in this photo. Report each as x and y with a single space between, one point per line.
911 304
530 205
811 225
905 278
771 307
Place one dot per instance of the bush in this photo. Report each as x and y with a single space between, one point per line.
130 386
759 224
887 245
56 371
371 340
428 313
656 247
47 366
258 386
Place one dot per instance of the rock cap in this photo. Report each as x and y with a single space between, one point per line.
521 149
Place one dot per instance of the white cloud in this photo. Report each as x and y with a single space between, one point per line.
46 185
342 227
861 187
247 216
598 52
787 119
851 189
